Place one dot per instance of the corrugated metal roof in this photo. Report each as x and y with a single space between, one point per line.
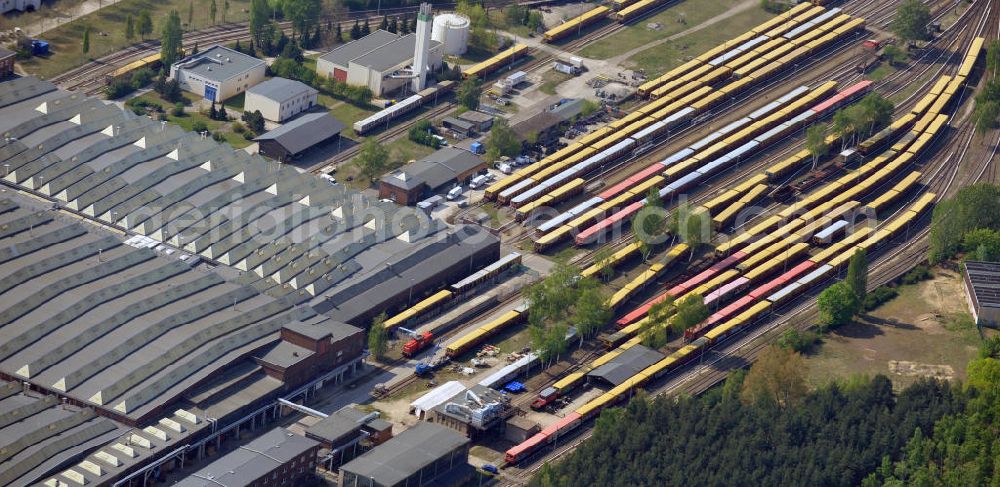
281 89
397 459
250 462
436 170
304 131
342 55
627 364
218 63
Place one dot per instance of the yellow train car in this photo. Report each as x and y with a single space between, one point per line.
615 259
151 61
585 218
922 202
620 4
609 141
925 103
838 247
834 23
546 241
636 9
428 304
485 68
594 136
577 24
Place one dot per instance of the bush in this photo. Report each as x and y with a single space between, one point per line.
878 297
248 135
199 127
255 121
140 78
357 95
118 88
800 342
141 106
239 128
218 137
177 110
290 68
917 274
423 133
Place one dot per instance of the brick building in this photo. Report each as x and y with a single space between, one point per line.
6 62
435 173
275 459
307 350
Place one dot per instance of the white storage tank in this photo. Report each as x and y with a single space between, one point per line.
452 31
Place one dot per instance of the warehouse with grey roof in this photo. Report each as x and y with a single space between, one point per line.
419 456
297 136
437 172
374 61
159 278
278 458
218 73
279 99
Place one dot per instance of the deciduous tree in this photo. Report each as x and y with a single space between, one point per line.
129 27
303 14
86 39
893 54
857 274
592 313
693 226
690 311
993 57
777 377
650 223
985 116
378 337
603 259
145 24
837 305
816 142
170 39
502 139
372 159
261 31
912 18
469 92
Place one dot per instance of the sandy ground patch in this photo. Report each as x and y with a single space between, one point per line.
924 332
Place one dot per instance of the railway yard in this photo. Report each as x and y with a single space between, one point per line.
721 135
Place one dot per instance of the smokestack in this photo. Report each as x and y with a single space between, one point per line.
421 53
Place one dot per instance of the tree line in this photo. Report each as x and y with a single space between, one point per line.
987 105
967 222
765 427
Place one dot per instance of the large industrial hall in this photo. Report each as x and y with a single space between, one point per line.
154 278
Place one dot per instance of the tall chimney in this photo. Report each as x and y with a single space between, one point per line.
421 53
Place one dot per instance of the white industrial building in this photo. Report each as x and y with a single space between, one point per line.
19 5
218 73
386 62
279 99
452 31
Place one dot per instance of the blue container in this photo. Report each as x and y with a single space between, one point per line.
39 48
477 148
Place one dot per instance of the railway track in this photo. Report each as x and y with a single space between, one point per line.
945 177
843 73
90 77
